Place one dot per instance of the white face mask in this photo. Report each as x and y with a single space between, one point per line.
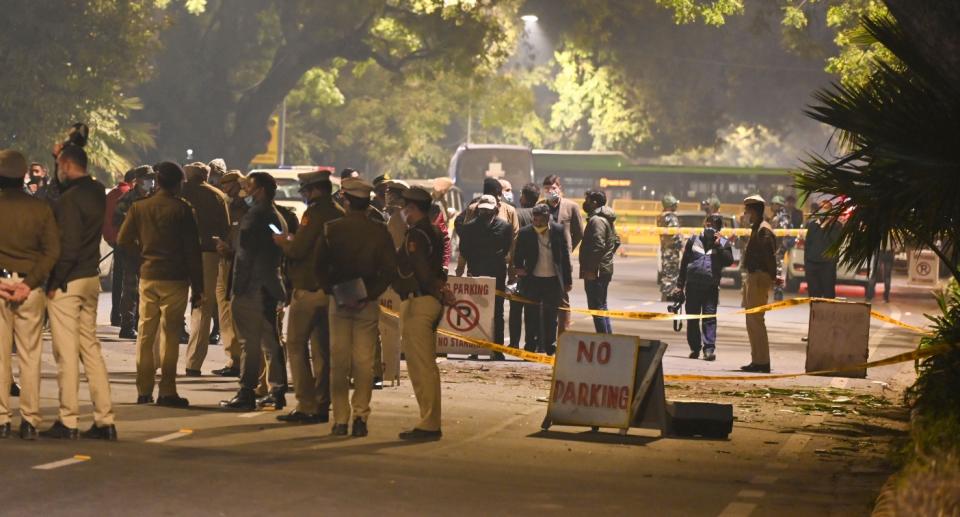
508 197
148 186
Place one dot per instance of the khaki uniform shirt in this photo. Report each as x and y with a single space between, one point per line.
30 240
210 205
301 249
356 247
161 229
420 262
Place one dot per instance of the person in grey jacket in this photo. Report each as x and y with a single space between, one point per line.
600 243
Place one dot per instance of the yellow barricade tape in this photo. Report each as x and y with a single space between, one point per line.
649 229
545 359
668 316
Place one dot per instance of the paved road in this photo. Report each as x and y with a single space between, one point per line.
493 458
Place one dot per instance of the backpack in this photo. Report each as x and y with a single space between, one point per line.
700 269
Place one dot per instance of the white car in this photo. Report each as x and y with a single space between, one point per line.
793 264
288 186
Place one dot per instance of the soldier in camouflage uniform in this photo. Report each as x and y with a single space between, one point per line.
780 220
711 205
670 248
144 185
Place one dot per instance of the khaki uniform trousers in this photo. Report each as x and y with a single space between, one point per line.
228 331
163 304
420 317
23 321
73 323
353 340
202 317
755 293
308 348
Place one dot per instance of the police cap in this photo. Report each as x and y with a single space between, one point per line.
397 185
380 180
417 194
356 187
754 200
312 178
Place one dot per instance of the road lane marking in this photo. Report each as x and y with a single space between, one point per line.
78 458
172 436
795 444
738 509
751 494
763 479
250 415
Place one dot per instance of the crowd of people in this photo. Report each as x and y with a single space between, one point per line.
203 240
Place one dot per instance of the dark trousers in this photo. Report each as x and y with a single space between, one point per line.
702 333
541 319
516 323
255 316
821 279
130 291
882 272
116 288
597 300
501 281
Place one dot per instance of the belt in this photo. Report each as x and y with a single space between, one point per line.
6 273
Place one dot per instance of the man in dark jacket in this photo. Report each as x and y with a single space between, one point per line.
485 243
542 263
529 195
701 268
258 293
760 261
820 268
74 291
597 249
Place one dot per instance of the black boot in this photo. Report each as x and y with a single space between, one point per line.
244 400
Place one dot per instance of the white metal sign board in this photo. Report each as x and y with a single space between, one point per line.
470 316
593 380
838 336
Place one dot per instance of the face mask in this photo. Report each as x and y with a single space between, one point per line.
553 197
249 200
541 229
508 197
147 186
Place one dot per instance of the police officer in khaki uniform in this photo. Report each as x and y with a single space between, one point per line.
421 284
163 231
29 247
354 248
231 185
308 330
74 292
213 223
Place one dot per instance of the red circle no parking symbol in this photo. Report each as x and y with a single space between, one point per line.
463 316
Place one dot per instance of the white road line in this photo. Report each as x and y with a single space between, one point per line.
647 304
763 479
251 415
172 436
79 458
751 494
738 510
795 444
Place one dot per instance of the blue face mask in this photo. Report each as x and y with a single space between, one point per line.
508 197
249 200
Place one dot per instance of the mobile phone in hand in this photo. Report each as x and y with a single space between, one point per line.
274 229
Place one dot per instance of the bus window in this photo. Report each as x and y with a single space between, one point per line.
472 163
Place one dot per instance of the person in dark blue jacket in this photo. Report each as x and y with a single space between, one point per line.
704 258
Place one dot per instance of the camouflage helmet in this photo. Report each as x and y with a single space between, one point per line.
778 200
713 202
669 201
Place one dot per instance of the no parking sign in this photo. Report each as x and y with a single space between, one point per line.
471 315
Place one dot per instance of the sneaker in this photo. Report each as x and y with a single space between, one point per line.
359 428
338 430
694 355
709 355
